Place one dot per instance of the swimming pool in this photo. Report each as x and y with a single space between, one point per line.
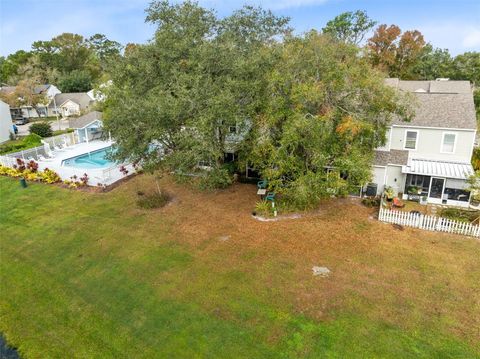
94 159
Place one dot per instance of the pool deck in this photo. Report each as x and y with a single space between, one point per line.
97 176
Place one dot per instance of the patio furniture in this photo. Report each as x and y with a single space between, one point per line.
398 203
261 191
270 196
262 184
42 158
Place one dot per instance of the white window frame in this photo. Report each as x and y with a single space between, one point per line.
454 142
405 140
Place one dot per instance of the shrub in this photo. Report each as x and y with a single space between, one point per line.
263 207
462 215
476 159
42 129
32 166
50 176
155 200
371 202
216 178
32 140
307 191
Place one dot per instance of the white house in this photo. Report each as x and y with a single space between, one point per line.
6 125
429 157
97 94
70 104
87 127
47 90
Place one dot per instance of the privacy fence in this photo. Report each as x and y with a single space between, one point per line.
430 223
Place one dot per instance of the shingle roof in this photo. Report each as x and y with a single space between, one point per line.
7 89
446 104
41 88
392 157
80 98
84 120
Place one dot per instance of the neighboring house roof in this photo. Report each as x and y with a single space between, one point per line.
446 104
80 98
41 88
85 120
392 157
7 89
37 89
458 170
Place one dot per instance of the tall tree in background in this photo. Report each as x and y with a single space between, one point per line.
104 48
394 52
10 65
432 64
350 27
66 55
467 67
75 81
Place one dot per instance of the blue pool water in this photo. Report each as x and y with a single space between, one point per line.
95 159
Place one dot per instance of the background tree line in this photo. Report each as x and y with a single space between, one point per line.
70 61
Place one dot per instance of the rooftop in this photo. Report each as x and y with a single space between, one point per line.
85 120
394 157
441 103
80 98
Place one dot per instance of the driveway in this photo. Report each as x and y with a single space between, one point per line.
23 130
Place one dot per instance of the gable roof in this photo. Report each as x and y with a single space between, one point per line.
85 120
80 98
447 104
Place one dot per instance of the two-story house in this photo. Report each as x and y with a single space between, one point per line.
429 157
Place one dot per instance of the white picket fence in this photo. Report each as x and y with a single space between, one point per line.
430 223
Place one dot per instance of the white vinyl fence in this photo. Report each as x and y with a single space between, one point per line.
430 223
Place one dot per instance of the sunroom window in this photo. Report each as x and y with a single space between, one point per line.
448 144
411 140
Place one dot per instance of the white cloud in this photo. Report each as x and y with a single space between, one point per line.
458 37
472 39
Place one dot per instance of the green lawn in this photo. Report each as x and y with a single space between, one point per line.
89 275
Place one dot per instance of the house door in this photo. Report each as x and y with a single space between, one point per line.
436 190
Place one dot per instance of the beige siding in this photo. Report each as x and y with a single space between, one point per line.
379 178
429 143
395 178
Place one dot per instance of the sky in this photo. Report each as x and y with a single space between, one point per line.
450 24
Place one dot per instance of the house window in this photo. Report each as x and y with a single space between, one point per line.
232 129
448 143
411 140
417 182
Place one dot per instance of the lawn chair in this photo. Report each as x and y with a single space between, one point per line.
42 158
262 184
398 203
270 196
